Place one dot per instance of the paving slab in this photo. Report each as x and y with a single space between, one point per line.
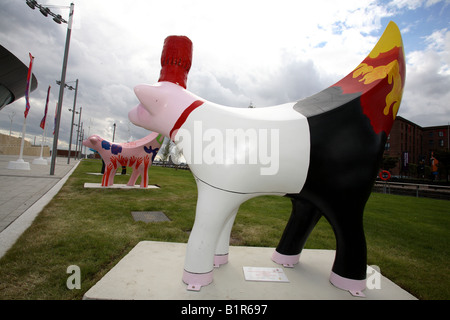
24 193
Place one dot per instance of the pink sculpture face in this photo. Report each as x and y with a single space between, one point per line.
93 142
161 105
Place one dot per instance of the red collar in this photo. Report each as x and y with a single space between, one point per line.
181 120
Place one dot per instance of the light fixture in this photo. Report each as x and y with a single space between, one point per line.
58 19
65 85
45 11
32 4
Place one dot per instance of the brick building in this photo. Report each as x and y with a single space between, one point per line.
413 145
436 138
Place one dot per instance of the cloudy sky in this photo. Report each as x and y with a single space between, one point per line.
260 52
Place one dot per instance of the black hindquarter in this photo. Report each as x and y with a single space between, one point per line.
344 160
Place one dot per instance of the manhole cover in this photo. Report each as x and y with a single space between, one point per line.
149 216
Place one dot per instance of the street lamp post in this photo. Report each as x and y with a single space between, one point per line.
80 140
81 145
58 19
73 116
78 133
61 91
11 116
114 132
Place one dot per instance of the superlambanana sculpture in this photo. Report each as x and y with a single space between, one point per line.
138 155
323 152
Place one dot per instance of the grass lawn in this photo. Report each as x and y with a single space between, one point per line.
408 238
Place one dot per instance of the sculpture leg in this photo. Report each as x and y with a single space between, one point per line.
214 209
221 254
303 219
108 176
105 179
350 264
112 174
134 176
144 179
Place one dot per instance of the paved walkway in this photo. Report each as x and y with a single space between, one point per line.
23 194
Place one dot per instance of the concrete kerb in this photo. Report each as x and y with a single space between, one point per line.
10 235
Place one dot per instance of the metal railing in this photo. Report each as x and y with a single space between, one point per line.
417 189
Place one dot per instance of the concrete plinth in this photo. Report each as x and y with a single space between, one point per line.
118 186
40 161
19 165
153 271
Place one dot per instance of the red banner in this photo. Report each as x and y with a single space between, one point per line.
27 91
46 108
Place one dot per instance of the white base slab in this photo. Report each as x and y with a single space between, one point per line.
19 165
40 161
153 271
118 186
100 174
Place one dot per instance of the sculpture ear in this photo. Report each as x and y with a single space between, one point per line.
93 139
148 96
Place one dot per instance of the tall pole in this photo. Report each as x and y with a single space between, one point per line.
73 117
81 145
11 116
24 126
29 81
19 163
43 138
448 136
61 91
80 142
78 133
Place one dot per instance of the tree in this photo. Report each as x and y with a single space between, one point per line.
164 152
176 154
389 163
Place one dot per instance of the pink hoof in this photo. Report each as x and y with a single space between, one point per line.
287 261
220 259
355 287
195 281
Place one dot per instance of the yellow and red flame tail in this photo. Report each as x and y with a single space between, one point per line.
380 78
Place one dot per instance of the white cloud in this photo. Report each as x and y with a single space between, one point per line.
439 42
428 81
415 4
409 4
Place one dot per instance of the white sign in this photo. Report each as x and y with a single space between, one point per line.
264 274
